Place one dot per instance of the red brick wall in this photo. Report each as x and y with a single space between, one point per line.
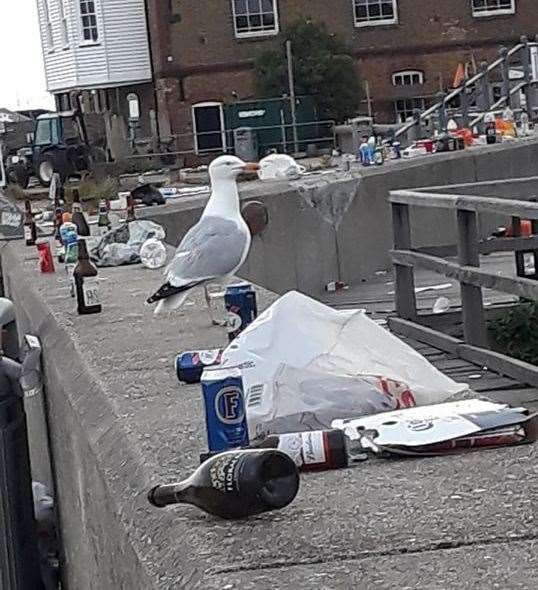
432 36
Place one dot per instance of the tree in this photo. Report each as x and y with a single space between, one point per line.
322 67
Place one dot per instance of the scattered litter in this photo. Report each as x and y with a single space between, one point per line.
280 167
122 244
148 195
344 361
443 428
336 286
153 254
442 287
441 305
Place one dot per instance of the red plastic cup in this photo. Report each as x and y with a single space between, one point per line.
46 262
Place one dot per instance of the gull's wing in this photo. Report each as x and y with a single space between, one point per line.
213 248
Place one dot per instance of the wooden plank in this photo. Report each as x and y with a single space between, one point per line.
424 334
474 322
515 396
519 257
520 244
405 298
521 287
454 364
493 384
508 207
519 370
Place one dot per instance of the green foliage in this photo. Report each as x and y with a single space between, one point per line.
322 69
17 193
517 332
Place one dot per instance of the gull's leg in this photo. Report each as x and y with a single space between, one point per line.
214 321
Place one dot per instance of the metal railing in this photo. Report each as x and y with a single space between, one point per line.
466 269
477 89
323 134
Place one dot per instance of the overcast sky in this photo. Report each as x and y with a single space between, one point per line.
22 84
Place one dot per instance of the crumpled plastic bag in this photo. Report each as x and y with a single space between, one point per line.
122 244
304 362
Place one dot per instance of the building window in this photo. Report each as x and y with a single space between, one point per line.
48 25
64 26
253 18
88 21
493 7
407 78
375 12
404 108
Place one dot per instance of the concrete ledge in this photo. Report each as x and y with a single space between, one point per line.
301 249
119 423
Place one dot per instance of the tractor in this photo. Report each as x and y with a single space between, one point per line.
60 144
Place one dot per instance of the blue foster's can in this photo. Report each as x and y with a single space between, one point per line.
241 308
191 365
225 413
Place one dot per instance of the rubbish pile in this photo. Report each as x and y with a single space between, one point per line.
351 391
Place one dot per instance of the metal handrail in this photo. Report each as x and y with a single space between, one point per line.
468 84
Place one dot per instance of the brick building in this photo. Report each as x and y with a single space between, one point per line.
405 49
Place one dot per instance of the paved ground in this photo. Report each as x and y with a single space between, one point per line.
458 522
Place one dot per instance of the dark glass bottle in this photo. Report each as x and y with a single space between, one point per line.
86 288
58 219
30 229
311 451
235 484
131 215
103 223
79 219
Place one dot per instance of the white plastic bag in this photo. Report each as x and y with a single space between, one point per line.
299 333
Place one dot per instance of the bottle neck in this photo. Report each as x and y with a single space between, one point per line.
83 251
177 493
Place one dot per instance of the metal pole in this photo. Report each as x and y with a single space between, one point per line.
527 75
368 97
465 106
291 80
441 112
505 71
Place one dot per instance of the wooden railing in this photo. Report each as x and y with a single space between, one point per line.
466 269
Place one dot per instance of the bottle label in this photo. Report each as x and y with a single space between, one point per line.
90 290
305 448
27 233
223 473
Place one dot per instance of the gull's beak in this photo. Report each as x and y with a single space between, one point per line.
251 167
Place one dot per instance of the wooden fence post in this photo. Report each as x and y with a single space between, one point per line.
520 256
474 323
406 305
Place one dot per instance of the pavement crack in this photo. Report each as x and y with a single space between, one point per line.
442 545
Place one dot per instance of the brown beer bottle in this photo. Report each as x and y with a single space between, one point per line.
311 451
235 484
79 219
30 229
131 215
86 287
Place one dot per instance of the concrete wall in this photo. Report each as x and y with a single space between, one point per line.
302 249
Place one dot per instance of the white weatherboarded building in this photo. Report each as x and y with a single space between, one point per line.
98 49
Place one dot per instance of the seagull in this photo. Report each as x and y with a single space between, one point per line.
217 246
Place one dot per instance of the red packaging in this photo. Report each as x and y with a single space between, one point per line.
427 144
46 262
